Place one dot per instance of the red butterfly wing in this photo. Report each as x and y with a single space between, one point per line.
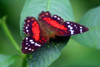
59 27
71 29
31 23
46 16
37 36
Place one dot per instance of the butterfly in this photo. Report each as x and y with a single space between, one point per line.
47 26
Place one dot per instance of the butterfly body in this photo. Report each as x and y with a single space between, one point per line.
48 26
47 29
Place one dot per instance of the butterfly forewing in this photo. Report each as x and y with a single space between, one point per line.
51 23
46 16
31 26
59 27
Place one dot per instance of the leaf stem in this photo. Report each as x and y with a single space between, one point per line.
7 32
24 63
48 4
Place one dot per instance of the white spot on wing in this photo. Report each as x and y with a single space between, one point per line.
69 26
31 40
29 49
26 43
80 27
55 16
80 30
26 27
27 30
32 49
72 31
68 22
26 47
58 18
26 38
37 44
74 25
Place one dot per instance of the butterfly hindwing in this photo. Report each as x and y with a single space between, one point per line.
29 43
72 28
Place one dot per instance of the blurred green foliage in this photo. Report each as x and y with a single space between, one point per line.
73 55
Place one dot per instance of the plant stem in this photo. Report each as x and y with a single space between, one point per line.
7 32
24 63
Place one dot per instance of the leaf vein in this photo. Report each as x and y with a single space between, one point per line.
48 4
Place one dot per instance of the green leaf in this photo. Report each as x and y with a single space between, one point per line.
6 60
45 55
92 37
